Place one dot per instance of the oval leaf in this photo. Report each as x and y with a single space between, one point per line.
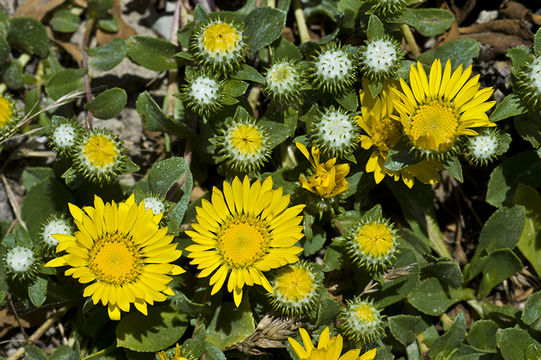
108 56
108 104
152 53
29 35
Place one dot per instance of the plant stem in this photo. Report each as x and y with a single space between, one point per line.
301 21
39 332
88 92
410 39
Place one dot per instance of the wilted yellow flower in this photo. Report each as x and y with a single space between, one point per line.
328 180
383 133
327 349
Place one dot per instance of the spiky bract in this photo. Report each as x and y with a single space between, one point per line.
99 156
284 81
21 262
373 243
527 84
333 68
64 135
219 44
335 133
380 58
203 92
296 289
243 144
55 224
386 8
487 146
361 321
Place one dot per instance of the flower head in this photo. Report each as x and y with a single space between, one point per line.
487 146
328 179
435 111
380 58
335 132
327 349
284 81
219 44
382 133
334 68
386 8
203 93
122 252
373 243
156 203
243 144
55 225
64 135
527 83
177 355
296 289
99 156
8 116
361 321
246 229
21 261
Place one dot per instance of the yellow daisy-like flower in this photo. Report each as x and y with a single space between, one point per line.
328 180
361 321
99 156
327 348
121 250
243 144
245 230
6 112
296 289
436 110
373 243
220 44
177 356
383 133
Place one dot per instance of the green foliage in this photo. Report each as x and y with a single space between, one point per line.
428 22
108 56
108 103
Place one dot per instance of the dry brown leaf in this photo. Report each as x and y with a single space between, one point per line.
37 9
124 30
72 49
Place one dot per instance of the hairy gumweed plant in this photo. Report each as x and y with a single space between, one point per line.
264 140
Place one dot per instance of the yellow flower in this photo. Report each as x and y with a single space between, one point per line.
383 133
373 243
99 156
219 44
436 110
361 321
243 232
296 289
121 250
6 112
177 356
328 180
327 349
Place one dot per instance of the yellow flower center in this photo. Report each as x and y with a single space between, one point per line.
295 283
365 313
375 239
100 151
246 139
434 127
243 240
115 259
6 111
220 37
281 74
386 133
